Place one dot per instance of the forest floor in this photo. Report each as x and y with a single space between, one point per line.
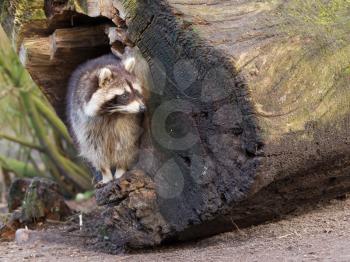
313 233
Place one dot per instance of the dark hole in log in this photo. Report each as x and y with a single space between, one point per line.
70 40
70 19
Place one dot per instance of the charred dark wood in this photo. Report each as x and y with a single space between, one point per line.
132 215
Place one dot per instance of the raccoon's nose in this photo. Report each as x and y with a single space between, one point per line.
142 108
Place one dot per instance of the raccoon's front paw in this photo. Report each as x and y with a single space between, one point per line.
99 184
102 183
104 179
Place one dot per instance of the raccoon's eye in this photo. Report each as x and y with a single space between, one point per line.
122 99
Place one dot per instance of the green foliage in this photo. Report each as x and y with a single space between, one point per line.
325 22
34 140
346 71
20 168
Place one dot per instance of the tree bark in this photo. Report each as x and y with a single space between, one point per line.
248 115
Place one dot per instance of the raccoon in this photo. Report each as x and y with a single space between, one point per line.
105 106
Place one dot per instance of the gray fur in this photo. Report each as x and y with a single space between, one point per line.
107 139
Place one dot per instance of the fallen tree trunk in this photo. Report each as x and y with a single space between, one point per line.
248 113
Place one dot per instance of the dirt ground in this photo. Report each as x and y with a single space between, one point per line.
318 233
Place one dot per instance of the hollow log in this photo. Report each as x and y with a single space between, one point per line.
248 114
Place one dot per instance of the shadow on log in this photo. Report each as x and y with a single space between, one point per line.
244 123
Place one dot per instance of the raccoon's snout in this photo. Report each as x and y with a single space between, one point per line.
114 106
142 108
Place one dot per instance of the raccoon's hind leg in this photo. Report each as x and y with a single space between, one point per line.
106 175
119 172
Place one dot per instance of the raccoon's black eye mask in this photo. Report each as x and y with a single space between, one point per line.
117 100
120 99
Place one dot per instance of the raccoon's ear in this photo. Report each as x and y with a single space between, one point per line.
104 75
129 63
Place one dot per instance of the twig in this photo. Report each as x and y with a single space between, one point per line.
76 235
237 228
284 236
21 142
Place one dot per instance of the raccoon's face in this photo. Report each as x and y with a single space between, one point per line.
118 91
